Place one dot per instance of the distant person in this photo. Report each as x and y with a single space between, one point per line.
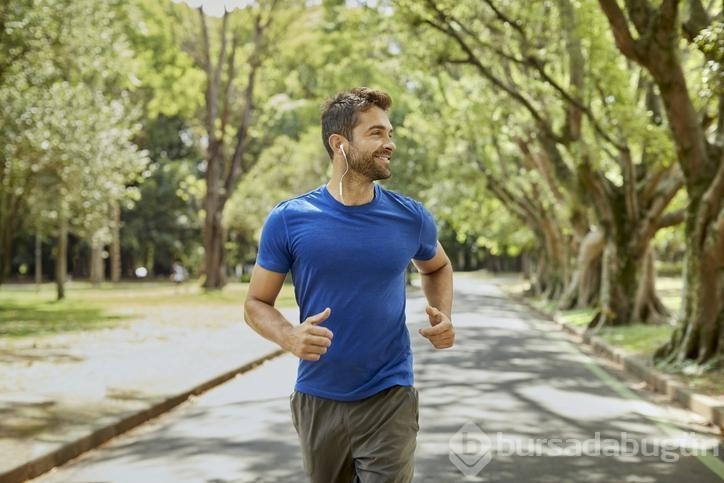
178 273
348 244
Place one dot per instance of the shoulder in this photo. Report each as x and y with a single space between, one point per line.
301 203
403 201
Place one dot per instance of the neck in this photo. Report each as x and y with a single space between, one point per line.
355 189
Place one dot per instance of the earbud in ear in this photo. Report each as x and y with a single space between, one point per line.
341 148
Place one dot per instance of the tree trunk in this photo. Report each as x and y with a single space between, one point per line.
38 260
61 257
116 244
6 241
558 259
527 265
225 162
584 287
214 233
214 254
699 335
96 264
150 259
628 287
648 307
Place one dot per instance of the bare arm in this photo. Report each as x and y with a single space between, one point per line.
307 341
437 285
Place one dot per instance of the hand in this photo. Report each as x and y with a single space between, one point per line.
308 340
441 332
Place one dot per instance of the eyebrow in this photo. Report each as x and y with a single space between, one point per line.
379 126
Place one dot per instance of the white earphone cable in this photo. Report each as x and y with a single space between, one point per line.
341 191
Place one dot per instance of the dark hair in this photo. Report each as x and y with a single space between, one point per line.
340 114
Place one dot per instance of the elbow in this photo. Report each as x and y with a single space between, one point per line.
248 311
444 268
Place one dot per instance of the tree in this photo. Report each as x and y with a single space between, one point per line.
575 147
68 127
231 54
163 225
649 35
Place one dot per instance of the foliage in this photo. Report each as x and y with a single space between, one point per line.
163 224
66 131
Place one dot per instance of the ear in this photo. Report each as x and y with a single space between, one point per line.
335 141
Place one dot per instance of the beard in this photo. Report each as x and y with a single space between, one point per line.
367 164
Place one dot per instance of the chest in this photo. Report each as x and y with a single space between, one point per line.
353 243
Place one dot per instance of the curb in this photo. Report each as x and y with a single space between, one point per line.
70 450
703 405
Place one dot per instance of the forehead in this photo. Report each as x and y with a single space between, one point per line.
373 116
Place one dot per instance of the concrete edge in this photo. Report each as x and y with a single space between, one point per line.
703 405
73 449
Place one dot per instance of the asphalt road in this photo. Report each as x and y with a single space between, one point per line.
514 401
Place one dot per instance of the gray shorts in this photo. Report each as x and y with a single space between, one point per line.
372 440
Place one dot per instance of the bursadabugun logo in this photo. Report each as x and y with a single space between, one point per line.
470 450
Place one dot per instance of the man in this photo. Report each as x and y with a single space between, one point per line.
348 244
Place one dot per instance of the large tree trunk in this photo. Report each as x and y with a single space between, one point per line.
648 307
548 267
628 288
585 285
61 257
700 334
629 216
558 259
537 273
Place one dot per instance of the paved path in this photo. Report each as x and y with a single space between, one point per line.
514 377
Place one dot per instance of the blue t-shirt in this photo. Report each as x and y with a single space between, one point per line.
352 259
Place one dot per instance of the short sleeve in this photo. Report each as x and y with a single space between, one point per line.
427 246
274 253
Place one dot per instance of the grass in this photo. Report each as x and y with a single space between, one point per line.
28 317
27 310
578 317
640 340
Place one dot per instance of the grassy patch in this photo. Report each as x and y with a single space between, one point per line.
670 290
26 310
28 317
577 317
542 304
638 339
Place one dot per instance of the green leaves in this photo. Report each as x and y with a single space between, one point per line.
67 121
